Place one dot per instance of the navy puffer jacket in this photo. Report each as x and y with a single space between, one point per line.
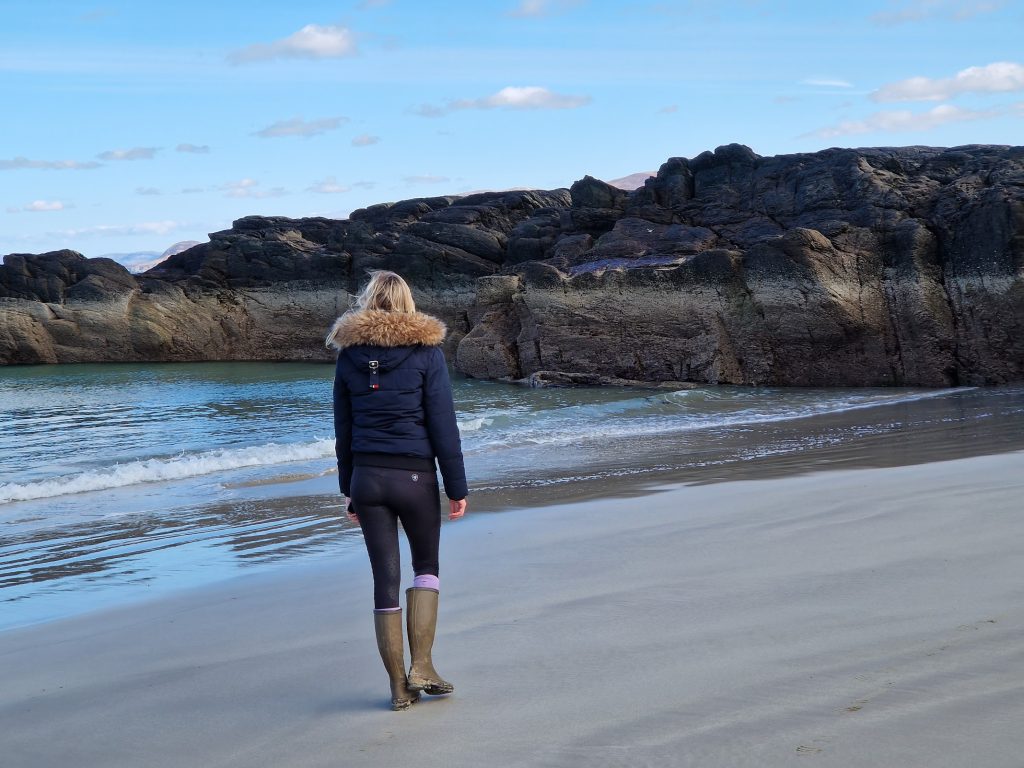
392 396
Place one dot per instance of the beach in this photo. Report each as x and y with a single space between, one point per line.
868 617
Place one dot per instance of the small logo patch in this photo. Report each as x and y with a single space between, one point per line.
415 478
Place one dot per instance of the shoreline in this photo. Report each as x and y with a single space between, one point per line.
859 617
295 515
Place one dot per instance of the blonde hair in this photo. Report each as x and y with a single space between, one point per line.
386 291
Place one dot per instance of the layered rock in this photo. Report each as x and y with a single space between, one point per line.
841 267
266 289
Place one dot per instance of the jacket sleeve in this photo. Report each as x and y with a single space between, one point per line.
342 430
443 429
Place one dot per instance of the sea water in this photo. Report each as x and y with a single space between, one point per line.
122 481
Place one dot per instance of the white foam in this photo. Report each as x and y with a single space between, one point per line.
474 425
560 428
172 468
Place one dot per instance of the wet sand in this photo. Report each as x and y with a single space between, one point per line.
860 617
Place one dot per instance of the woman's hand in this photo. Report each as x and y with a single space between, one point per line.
456 508
350 511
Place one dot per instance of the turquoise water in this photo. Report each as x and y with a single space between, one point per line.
118 481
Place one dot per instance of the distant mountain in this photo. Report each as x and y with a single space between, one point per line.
627 183
633 181
140 261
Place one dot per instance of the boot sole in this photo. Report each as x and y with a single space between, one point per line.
432 688
400 705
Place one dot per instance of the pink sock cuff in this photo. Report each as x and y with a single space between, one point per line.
426 581
387 610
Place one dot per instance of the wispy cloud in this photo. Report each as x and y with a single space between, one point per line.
41 206
197 149
299 127
328 186
511 97
826 82
135 153
310 42
147 191
250 188
18 163
426 179
907 11
144 228
531 9
903 121
1000 77
192 190
365 140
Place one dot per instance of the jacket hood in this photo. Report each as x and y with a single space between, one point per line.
377 328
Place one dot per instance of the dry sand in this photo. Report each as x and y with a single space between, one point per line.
860 618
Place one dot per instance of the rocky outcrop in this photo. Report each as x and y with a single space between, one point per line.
266 289
842 267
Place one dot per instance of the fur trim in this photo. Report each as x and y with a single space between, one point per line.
375 327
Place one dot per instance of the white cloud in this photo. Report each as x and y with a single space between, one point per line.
192 190
426 179
328 186
902 121
147 191
531 9
41 205
310 42
198 149
145 228
511 97
1000 77
924 10
826 82
135 153
18 163
365 140
299 127
248 188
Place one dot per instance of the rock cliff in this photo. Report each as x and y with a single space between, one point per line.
874 266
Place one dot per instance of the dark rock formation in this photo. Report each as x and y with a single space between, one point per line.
855 267
266 289
841 267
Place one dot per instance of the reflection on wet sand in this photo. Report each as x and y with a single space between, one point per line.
219 537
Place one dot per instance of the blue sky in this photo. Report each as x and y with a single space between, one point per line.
129 126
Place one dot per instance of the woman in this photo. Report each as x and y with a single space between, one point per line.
393 416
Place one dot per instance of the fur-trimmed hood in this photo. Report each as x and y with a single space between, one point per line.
377 328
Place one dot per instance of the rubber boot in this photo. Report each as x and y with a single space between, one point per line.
422 604
388 625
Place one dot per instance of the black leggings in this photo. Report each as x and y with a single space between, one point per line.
383 496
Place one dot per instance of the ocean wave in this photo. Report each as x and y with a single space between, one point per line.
659 415
473 425
171 468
